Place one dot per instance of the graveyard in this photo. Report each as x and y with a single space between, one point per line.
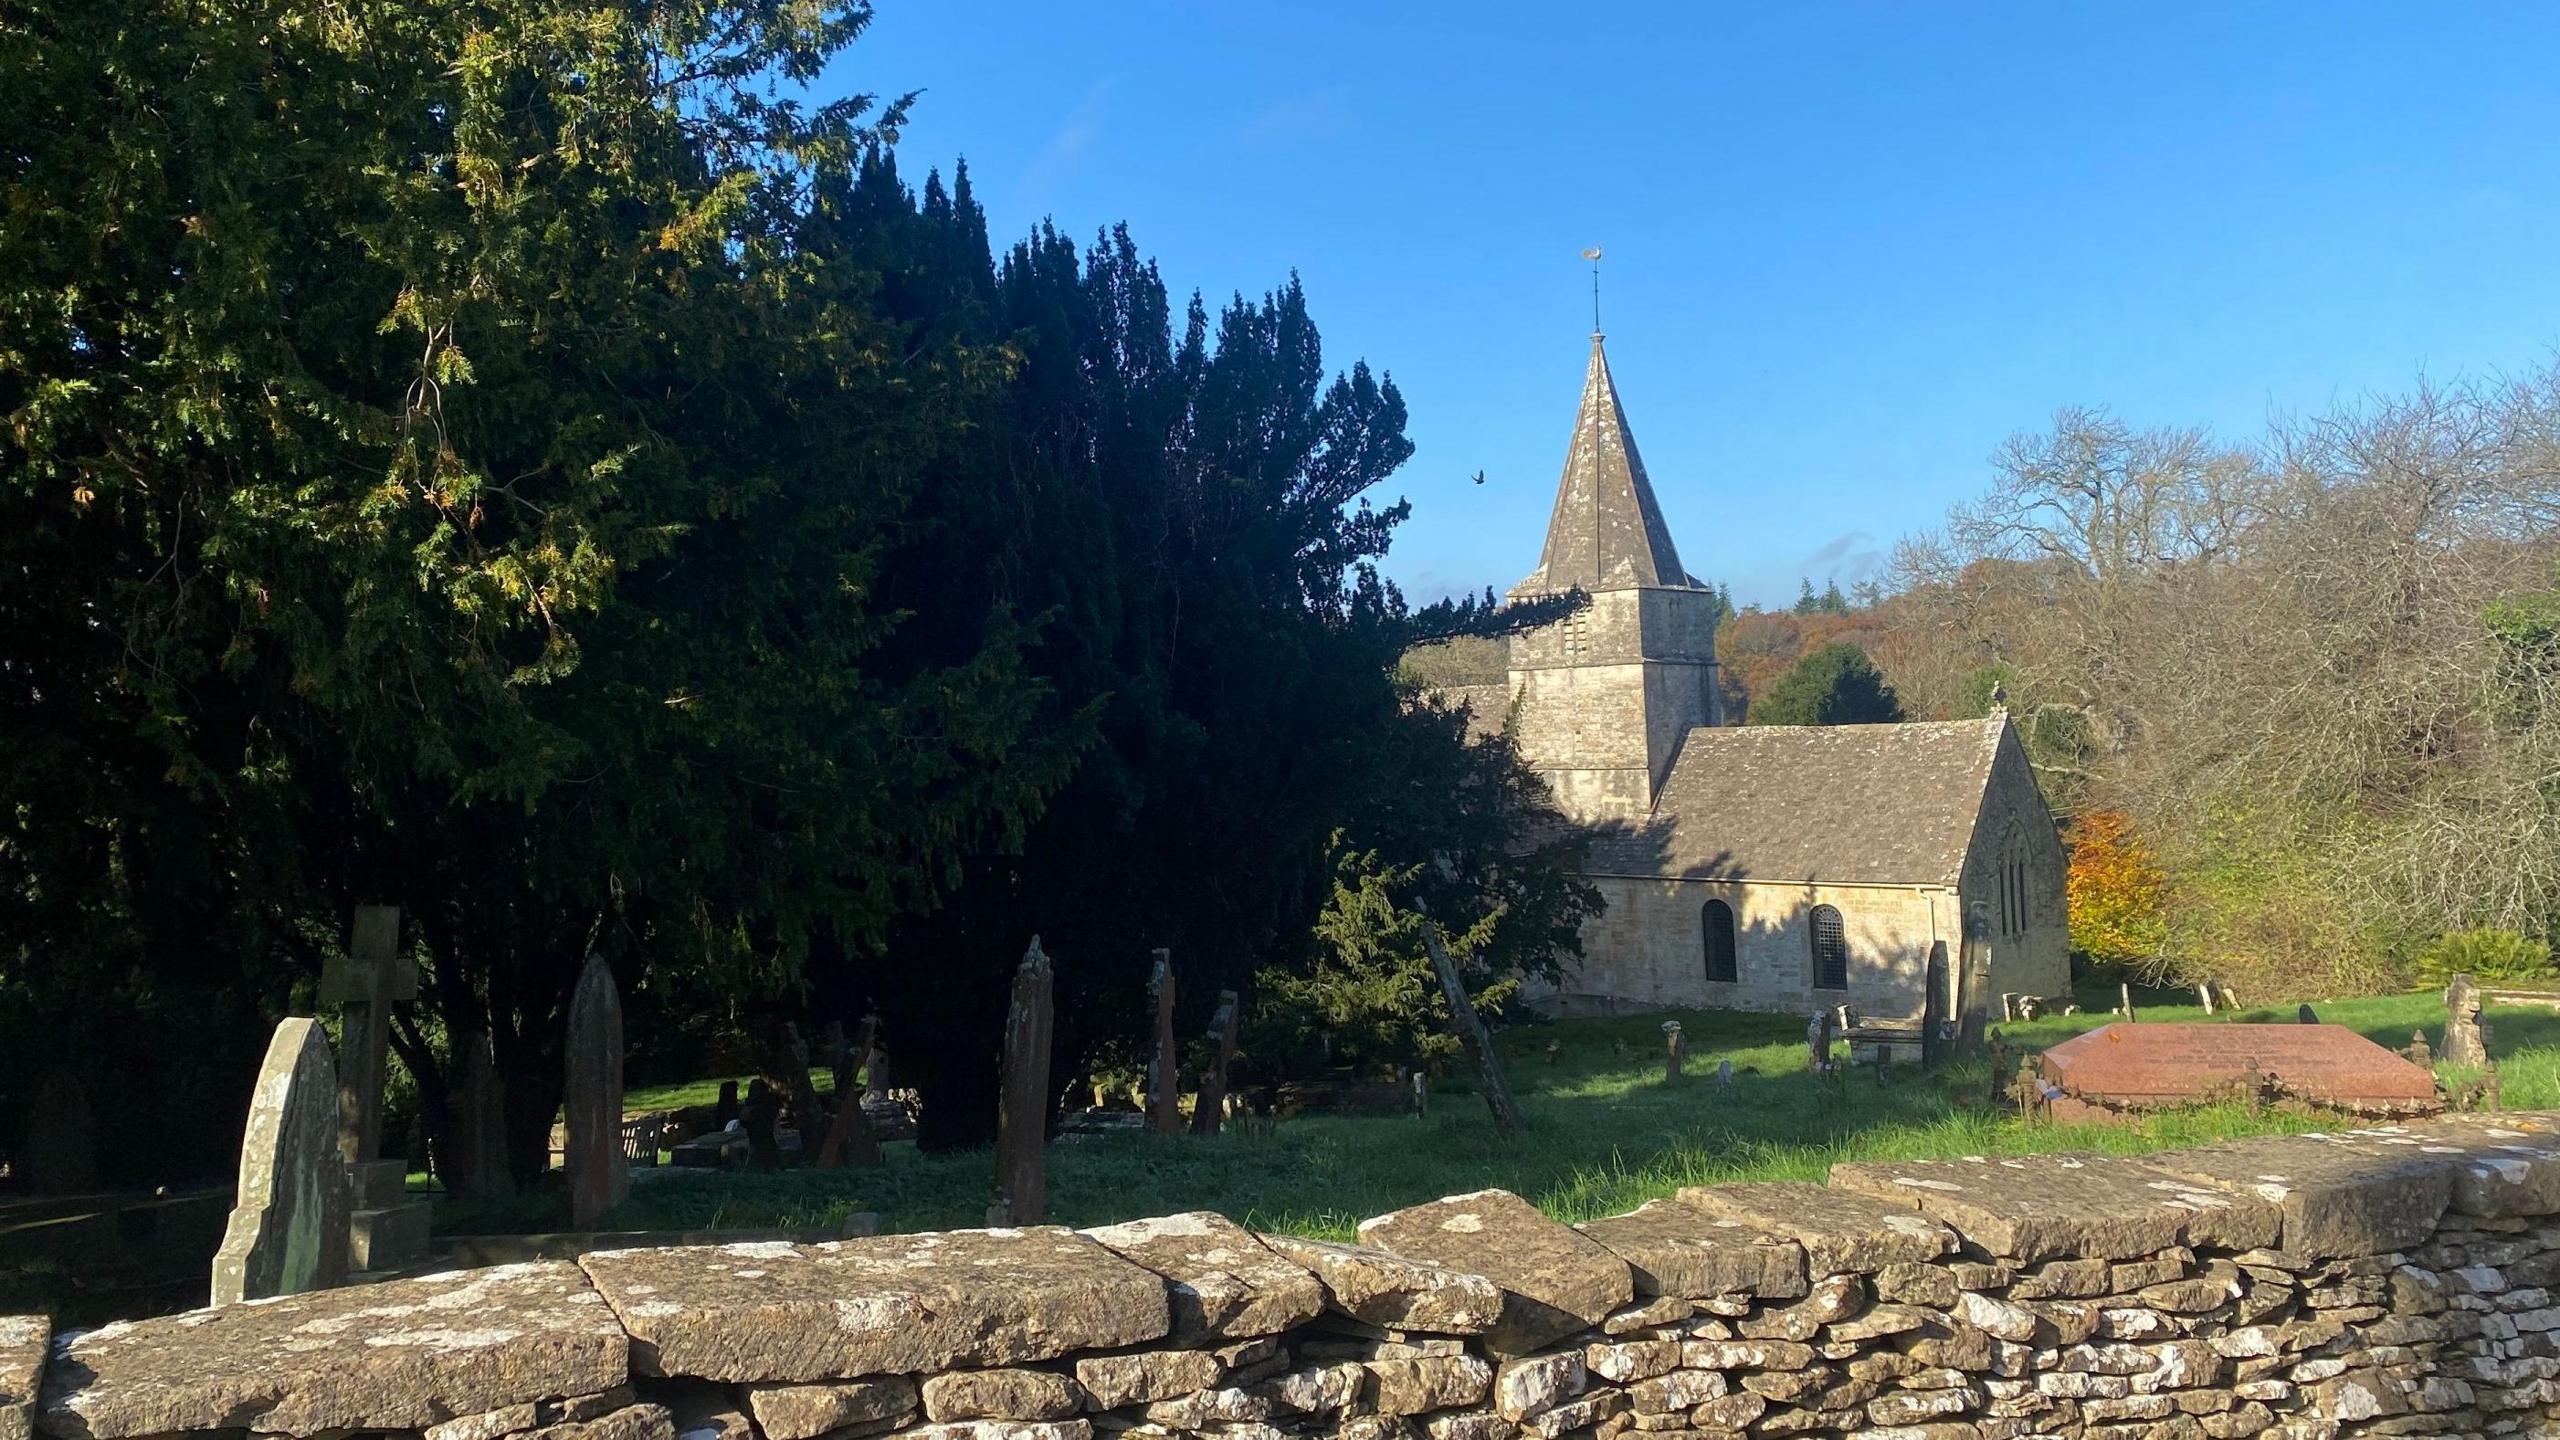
1606 1131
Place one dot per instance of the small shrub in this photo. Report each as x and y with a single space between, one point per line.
2485 954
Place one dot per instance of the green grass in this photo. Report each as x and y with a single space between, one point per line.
1605 1134
686 1093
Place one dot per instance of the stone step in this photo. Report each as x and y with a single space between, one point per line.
389 1237
377 1184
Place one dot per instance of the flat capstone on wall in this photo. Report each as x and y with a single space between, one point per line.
2386 1281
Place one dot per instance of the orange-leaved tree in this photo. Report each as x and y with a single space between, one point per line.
2116 891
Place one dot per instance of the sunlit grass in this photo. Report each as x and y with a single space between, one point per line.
1605 1134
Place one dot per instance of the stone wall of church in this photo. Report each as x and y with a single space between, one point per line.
1609 693
2387 1281
2035 959
1647 950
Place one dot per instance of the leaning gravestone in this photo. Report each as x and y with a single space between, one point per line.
599 1175
288 1229
1164 1069
1022 1126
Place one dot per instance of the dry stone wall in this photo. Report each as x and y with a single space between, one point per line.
2388 1281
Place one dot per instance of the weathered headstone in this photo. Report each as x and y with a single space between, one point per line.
599 1174
1421 1095
725 1109
364 982
2305 1015
1507 1120
1936 1030
762 1118
1724 1076
1164 1069
288 1227
1999 1067
480 1126
1022 1126
1817 1039
2466 1040
1973 977
1671 1051
2204 995
1209 1110
807 1115
2124 1005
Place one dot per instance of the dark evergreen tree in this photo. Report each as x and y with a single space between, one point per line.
1834 685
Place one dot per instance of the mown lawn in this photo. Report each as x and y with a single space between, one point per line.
1606 1133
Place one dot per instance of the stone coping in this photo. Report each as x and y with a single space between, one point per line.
1485 1270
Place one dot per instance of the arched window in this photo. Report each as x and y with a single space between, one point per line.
1830 950
1715 918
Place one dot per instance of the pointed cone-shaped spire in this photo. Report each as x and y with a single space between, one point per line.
1607 531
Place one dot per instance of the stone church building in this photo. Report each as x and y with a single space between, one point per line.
1785 868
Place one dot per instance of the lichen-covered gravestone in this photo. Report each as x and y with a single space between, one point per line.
288 1230
599 1175
1022 1141
2466 1040
479 1158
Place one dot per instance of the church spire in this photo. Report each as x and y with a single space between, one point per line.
1606 532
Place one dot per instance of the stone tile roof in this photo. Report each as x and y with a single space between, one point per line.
1840 804
1606 532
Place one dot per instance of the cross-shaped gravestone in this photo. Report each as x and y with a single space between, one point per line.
366 981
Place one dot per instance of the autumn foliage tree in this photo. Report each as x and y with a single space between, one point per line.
2115 889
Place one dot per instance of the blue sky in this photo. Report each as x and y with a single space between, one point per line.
1849 247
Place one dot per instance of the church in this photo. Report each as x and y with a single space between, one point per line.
1775 868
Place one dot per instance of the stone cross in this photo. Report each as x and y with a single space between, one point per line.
288 1229
599 1173
1507 1119
2466 1040
1209 1111
1022 1125
1671 1051
479 1158
365 982
1164 1069
850 1140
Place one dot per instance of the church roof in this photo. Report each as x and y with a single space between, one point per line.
1839 804
1606 532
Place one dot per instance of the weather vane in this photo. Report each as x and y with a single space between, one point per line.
1593 255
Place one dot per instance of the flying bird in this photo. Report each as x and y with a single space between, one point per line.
1479 477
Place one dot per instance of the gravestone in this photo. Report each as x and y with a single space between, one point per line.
850 1138
1209 1111
2204 995
288 1227
480 1127
2123 1068
599 1174
1936 1031
2466 1040
364 982
1817 1039
760 1117
1671 1051
725 1109
386 1230
2124 1001
1022 1126
2419 1052
1507 1119
1724 1077
1164 1069
2305 1015
1973 980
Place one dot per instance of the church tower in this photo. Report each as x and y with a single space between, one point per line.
1607 694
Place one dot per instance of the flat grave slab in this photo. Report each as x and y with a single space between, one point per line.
2121 1067
2043 1207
